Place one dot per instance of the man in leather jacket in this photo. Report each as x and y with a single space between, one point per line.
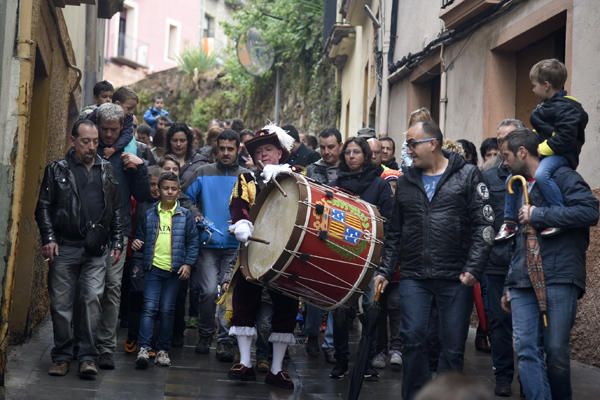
439 235
77 194
495 271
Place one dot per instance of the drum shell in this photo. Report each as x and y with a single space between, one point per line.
324 269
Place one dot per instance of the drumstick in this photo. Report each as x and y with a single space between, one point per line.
283 193
258 240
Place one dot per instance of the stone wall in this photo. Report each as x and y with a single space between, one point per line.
585 338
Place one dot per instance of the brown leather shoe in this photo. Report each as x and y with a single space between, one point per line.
240 372
282 380
59 368
88 370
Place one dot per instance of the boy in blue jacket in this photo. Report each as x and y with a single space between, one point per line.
559 121
170 243
156 111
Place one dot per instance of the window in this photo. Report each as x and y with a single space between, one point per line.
209 26
122 32
173 42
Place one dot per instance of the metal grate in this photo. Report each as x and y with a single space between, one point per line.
446 3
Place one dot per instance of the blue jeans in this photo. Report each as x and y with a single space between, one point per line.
551 380
512 201
543 179
312 321
209 271
328 337
160 295
393 308
454 302
500 331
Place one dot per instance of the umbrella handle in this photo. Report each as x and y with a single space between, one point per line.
378 291
523 181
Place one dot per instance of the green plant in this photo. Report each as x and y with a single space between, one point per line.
195 59
294 29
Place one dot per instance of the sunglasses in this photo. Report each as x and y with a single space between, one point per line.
412 144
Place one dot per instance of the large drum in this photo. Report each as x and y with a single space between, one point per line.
323 243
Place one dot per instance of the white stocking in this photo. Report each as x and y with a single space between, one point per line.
278 355
280 343
245 344
244 335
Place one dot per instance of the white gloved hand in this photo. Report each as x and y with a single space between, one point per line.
242 230
271 171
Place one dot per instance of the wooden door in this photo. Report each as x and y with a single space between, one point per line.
552 46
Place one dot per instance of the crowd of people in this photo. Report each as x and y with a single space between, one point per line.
149 224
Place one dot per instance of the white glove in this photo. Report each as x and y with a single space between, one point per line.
271 171
242 230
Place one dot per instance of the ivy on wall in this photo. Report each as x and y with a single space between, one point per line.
309 99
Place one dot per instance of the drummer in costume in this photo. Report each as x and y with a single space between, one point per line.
268 149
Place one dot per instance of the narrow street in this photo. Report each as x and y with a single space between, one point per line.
203 377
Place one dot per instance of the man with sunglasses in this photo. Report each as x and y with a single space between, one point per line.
439 235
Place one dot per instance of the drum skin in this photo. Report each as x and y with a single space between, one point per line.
324 246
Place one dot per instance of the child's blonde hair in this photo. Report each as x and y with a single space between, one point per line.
551 71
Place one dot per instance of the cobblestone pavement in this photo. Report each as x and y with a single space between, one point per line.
195 376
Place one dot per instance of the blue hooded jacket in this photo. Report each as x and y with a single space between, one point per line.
185 243
210 192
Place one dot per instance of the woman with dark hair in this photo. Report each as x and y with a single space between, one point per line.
180 143
159 143
358 176
470 151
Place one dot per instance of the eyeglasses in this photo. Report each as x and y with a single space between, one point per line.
353 152
412 144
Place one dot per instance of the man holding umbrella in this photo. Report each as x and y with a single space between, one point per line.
555 291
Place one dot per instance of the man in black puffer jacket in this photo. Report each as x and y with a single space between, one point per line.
440 235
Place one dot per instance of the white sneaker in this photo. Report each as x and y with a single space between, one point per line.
396 360
162 359
379 361
143 358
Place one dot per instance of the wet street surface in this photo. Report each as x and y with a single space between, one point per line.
195 376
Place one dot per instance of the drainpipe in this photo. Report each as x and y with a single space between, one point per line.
384 34
25 49
91 54
443 90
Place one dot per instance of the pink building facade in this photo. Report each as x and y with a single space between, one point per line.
149 35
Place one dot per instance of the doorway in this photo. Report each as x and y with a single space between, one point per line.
551 46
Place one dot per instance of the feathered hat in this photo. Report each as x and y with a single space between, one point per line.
271 134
